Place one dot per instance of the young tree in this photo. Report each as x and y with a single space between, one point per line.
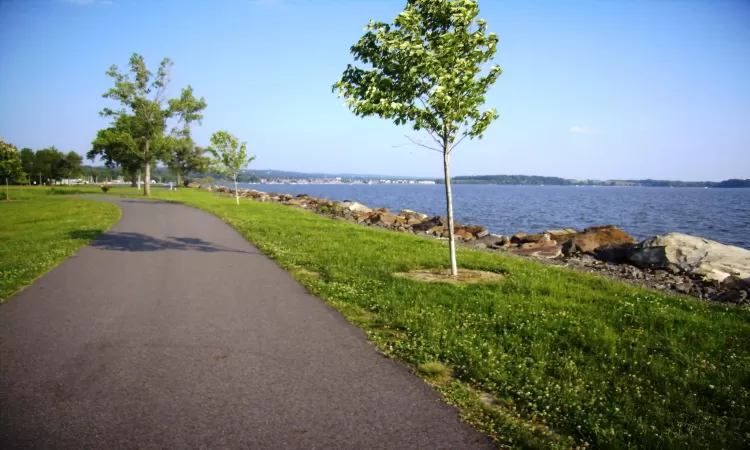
143 98
230 156
11 169
426 69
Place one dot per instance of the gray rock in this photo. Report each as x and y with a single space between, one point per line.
694 255
482 234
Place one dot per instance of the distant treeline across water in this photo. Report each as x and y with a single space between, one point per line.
557 181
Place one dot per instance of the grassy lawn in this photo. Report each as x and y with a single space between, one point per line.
37 233
558 358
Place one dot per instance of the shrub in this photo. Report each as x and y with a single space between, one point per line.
324 209
105 189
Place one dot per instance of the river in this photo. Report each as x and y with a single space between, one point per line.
719 214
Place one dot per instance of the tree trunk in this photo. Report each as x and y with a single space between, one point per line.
449 205
179 179
133 181
7 190
236 193
147 171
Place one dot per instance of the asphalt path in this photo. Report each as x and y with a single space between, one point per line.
172 331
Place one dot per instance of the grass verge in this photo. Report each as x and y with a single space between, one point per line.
545 358
37 233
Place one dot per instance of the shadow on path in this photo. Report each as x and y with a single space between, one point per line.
137 242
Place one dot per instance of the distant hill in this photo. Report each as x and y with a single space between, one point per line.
557 181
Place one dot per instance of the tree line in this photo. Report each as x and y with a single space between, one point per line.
42 166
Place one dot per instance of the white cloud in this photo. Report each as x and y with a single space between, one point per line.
577 129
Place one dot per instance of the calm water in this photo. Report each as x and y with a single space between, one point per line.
719 214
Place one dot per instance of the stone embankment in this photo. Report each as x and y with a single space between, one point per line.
674 262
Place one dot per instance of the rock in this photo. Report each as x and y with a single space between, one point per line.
409 214
191 184
504 241
384 218
603 236
413 221
694 255
545 238
295 202
738 297
356 207
480 246
464 234
612 253
434 222
539 244
569 248
518 238
660 274
544 251
632 272
683 288
482 234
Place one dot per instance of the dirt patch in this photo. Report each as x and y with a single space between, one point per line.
465 276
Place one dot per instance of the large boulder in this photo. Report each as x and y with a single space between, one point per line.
409 214
695 255
593 238
356 207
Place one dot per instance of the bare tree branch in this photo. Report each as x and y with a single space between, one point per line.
422 145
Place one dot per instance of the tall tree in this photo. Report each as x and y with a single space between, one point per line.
49 162
426 69
185 157
70 165
230 156
28 158
11 169
117 147
142 95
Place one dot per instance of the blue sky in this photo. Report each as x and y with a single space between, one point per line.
590 89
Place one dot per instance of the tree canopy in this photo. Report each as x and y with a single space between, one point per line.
10 163
143 116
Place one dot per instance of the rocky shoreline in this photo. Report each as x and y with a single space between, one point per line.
673 263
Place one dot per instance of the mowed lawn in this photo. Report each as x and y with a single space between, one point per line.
37 233
544 358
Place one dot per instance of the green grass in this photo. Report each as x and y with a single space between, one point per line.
546 358
37 233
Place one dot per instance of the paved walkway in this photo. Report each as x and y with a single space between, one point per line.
172 331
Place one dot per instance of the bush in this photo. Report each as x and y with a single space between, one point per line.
324 209
105 189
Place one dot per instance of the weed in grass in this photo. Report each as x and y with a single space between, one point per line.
436 372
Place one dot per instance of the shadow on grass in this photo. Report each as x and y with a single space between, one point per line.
137 242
